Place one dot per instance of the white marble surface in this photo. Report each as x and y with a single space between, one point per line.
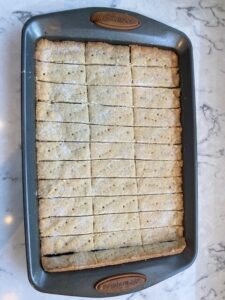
204 22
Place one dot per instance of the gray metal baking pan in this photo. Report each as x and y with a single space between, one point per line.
77 25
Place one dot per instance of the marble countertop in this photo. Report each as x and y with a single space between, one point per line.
204 22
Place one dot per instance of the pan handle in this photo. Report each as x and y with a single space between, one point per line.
115 20
121 283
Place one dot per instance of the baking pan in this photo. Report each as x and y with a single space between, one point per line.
81 25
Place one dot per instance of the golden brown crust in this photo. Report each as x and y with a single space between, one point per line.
102 258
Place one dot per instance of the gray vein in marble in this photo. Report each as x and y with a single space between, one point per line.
200 279
177 284
211 16
222 292
217 255
190 11
204 91
114 3
20 245
131 296
2 270
212 8
205 37
222 248
213 19
11 178
217 154
5 22
216 264
209 51
22 15
143 296
2 23
219 175
206 163
210 295
212 116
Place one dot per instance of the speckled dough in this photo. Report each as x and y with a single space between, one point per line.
149 168
64 169
117 239
111 134
152 219
115 204
114 186
108 75
116 222
62 112
160 202
68 262
159 185
155 77
59 207
62 151
60 73
112 151
113 168
48 131
59 92
152 56
64 244
156 98
110 95
158 135
55 226
108 115
60 52
158 152
103 53
162 234
64 188
157 117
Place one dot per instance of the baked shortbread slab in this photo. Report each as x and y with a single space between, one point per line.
109 154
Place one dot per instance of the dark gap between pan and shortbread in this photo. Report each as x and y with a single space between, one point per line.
109 154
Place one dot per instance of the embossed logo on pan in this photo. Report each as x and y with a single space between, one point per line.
120 283
115 20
